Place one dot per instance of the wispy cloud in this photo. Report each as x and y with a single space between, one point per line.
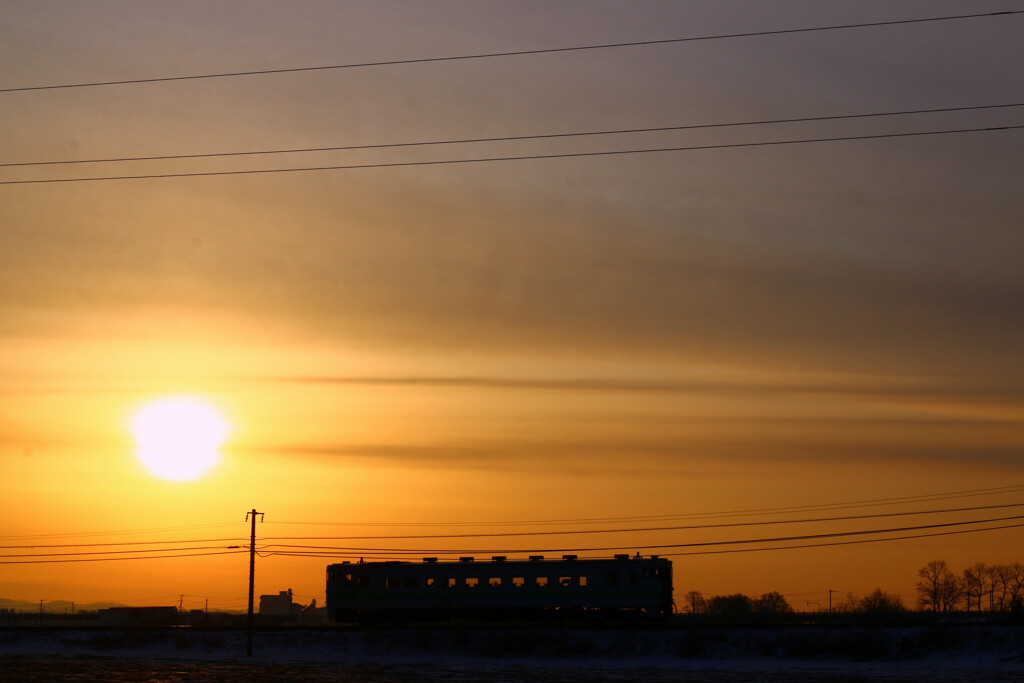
644 456
922 387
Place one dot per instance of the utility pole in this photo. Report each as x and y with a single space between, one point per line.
252 573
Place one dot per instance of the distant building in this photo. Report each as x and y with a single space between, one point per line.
312 615
138 616
279 605
194 617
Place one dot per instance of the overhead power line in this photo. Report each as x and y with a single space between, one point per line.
566 532
690 527
333 552
514 53
1001 490
333 555
529 157
326 555
510 138
853 542
114 559
120 532
114 552
120 544
870 502
659 547
748 512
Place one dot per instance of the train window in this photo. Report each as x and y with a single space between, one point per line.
391 583
472 582
363 582
412 582
541 581
518 581
632 578
583 581
451 582
494 582
613 579
430 582
565 581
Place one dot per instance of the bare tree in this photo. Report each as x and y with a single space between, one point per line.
847 606
933 585
734 605
989 579
950 593
972 585
880 602
772 603
1001 586
1015 586
696 602
1000 578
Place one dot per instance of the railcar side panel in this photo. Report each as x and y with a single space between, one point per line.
367 589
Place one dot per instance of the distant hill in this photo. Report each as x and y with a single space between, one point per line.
55 606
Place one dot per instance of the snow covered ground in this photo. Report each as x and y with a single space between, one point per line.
533 655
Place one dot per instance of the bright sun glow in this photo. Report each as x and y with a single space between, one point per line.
178 438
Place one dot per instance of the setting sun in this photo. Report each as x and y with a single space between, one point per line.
178 438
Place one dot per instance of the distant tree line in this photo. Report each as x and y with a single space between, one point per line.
979 587
878 602
737 604
996 588
775 604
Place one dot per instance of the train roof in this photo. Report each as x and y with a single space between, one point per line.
503 560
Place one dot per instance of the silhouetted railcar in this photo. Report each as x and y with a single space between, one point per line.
499 588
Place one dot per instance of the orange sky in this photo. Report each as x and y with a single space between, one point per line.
614 337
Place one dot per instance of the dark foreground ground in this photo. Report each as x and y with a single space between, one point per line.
517 655
18 669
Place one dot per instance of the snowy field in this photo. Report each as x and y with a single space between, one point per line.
462 655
